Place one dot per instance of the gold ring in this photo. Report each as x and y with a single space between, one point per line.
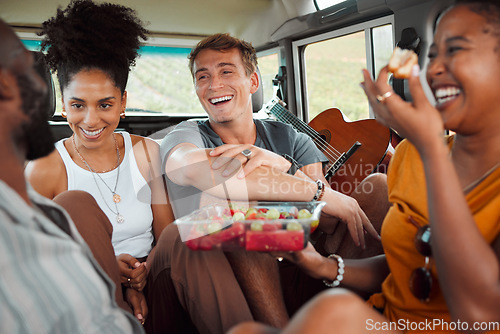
385 96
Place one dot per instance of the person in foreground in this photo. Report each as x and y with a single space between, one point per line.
50 282
204 159
441 236
91 47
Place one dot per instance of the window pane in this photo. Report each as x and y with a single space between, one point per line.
268 66
322 4
161 83
333 73
383 44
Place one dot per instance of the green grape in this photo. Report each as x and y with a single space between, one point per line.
304 214
214 227
293 226
238 216
272 213
257 225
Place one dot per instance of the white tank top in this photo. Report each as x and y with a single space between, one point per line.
134 236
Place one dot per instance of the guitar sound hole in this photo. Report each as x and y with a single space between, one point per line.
325 136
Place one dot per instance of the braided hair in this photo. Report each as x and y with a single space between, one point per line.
86 35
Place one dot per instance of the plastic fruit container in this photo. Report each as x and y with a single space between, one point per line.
253 226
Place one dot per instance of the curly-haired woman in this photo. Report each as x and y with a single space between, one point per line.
92 47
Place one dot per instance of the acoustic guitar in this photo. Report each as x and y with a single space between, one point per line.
354 149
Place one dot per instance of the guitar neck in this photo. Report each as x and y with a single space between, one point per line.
353 149
276 108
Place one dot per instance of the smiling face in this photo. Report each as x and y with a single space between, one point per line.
222 85
464 69
93 105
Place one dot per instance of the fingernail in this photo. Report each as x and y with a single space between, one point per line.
137 264
211 152
415 70
225 173
241 175
139 316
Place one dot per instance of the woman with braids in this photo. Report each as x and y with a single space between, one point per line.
92 47
441 237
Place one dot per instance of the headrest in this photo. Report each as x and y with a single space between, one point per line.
50 99
258 96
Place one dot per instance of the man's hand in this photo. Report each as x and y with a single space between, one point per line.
132 273
137 303
230 157
348 211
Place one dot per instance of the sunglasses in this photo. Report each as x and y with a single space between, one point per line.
421 278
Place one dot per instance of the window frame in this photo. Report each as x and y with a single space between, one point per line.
298 47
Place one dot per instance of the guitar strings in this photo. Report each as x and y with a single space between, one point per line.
289 118
312 133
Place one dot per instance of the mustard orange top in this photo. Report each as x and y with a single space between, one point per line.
407 192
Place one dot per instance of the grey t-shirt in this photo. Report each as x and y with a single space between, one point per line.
274 136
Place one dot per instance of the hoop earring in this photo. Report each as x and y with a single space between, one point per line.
122 115
63 114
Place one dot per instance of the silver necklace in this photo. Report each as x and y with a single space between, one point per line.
116 197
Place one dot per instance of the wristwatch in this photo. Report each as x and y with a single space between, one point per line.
295 165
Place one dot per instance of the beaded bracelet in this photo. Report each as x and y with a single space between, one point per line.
340 272
320 192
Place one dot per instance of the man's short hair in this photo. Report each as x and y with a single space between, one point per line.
224 42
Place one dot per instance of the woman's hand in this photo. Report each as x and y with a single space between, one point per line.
308 260
137 303
229 156
349 212
132 273
418 121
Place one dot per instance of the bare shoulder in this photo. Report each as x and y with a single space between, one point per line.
47 175
147 155
143 142
47 166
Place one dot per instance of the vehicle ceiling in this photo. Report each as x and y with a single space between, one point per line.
252 20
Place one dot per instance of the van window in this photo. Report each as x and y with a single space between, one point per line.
332 66
322 4
268 67
159 84
383 45
333 73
